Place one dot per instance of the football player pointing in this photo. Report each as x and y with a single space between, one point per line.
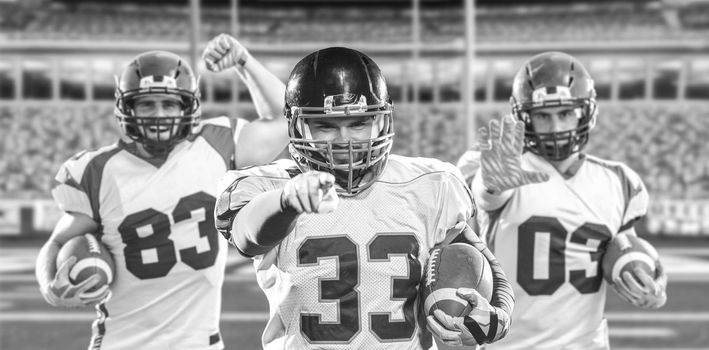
339 234
150 196
551 210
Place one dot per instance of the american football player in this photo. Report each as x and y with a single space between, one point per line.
339 234
150 197
551 209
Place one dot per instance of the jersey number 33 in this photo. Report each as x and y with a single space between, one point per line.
344 288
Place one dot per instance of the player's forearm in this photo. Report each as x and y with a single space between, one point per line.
261 141
68 226
45 267
485 199
262 224
266 90
502 295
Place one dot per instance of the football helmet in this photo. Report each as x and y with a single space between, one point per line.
157 72
553 79
339 82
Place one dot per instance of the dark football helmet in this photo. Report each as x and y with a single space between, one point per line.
333 83
157 72
553 79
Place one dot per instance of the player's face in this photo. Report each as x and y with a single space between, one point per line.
555 119
158 106
343 129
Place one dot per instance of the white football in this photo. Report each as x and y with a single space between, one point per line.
92 257
450 267
626 252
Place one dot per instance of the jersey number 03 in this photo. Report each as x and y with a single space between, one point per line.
528 240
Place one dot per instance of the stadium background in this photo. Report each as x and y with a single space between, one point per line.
448 70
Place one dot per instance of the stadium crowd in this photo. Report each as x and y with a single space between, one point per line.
40 139
663 143
586 22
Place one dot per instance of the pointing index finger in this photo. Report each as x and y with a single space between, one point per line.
326 181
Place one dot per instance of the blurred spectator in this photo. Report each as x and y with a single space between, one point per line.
39 139
663 143
338 23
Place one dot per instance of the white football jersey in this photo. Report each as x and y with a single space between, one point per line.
349 279
549 238
469 163
157 222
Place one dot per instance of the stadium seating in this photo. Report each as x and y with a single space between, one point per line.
663 143
694 16
39 139
602 22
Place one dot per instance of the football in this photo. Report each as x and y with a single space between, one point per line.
454 266
626 252
92 257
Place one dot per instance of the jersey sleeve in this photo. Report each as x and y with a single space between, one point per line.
455 202
636 197
237 188
219 134
233 124
468 164
71 190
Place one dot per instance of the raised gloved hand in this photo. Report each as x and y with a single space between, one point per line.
500 156
223 52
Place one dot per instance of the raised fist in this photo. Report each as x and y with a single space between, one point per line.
223 52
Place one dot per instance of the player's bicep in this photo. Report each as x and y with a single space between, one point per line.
73 224
260 141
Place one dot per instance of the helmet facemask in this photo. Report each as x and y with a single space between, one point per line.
554 79
556 146
157 73
356 164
